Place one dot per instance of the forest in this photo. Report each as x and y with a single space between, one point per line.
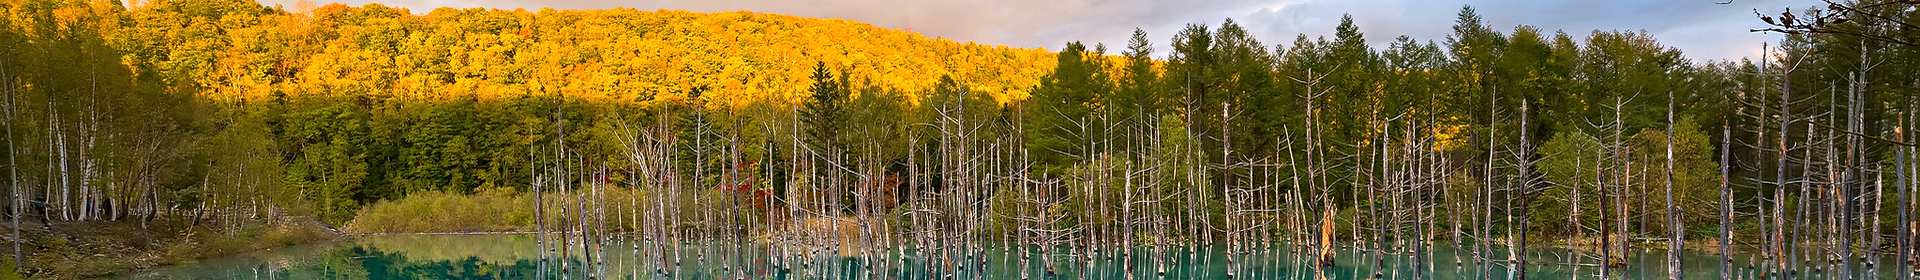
183 120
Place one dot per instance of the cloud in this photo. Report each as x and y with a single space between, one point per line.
1701 28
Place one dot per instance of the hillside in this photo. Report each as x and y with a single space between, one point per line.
244 50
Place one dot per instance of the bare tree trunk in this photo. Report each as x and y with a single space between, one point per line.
60 140
600 217
1225 194
1830 205
1519 253
1907 235
1324 256
1901 241
1376 171
1673 214
46 188
1843 193
1726 201
539 217
1789 249
1429 177
1578 229
13 170
1624 180
1600 187
1872 254
1857 154
1797 239
1482 247
90 169
1769 241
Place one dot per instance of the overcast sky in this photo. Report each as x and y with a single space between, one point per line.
1701 28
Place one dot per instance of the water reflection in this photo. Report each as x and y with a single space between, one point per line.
514 257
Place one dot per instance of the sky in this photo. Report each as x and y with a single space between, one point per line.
1702 29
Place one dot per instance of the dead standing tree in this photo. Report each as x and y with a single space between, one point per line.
13 168
1833 20
1726 201
1673 215
1314 167
1526 188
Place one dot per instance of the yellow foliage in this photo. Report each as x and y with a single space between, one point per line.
615 55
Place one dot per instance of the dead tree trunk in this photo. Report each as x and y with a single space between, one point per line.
539 217
1843 199
13 169
1623 180
1525 158
1482 247
1600 187
1901 239
1726 201
1673 214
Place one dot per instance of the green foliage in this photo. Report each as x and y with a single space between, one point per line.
1191 80
1635 69
487 211
825 114
1135 98
1696 171
494 210
330 151
9 270
881 120
1352 100
1412 68
1571 161
1062 119
954 106
451 147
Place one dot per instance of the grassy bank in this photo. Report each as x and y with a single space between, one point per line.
485 211
104 248
440 212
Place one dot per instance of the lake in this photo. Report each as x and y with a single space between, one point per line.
508 256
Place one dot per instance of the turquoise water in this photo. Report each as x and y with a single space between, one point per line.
515 257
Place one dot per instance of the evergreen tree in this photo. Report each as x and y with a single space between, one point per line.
1061 118
1137 98
825 114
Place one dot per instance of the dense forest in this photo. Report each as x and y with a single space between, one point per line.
739 126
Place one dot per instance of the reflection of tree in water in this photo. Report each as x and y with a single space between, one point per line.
359 262
394 265
333 264
480 257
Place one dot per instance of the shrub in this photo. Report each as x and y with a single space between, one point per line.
495 210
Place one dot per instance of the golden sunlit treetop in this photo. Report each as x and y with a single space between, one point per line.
614 55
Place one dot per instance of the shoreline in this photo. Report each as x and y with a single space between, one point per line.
436 233
1702 246
100 249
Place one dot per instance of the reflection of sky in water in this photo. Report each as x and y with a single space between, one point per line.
514 257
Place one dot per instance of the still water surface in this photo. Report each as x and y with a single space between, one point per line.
515 257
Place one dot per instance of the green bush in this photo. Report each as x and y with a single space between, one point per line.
442 212
494 210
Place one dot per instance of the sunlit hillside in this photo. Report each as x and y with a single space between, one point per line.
614 55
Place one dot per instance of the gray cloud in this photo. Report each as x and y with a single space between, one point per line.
1701 28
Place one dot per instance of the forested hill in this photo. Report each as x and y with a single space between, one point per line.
247 50
231 104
